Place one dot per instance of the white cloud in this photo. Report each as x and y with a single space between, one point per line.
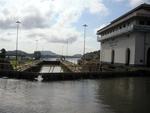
4 40
64 12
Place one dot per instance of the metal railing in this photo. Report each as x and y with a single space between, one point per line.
116 33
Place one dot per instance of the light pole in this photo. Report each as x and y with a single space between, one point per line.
36 45
18 22
84 37
67 48
62 50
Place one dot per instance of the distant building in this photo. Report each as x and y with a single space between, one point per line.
126 40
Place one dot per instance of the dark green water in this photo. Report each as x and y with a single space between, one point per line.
119 95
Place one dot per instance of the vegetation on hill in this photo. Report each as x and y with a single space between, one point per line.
91 56
90 62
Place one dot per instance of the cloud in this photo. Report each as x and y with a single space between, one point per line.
34 21
36 35
2 2
41 13
51 21
5 12
69 40
69 11
5 40
31 21
8 23
69 35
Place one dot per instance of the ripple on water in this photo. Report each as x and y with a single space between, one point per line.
84 96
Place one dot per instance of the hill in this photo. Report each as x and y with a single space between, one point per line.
77 56
91 56
48 53
20 53
45 54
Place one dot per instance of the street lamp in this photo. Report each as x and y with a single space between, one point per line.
36 48
18 22
67 48
84 37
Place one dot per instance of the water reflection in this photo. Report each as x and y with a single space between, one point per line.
127 95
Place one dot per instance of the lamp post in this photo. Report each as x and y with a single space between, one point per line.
67 48
85 26
36 48
18 22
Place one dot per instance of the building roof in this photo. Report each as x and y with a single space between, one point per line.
142 6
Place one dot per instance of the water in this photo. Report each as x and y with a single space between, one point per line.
124 95
51 69
73 60
56 68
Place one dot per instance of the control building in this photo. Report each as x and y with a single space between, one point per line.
126 40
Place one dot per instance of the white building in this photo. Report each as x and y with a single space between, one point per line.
126 40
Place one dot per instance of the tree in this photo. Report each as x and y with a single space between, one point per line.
3 53
37 55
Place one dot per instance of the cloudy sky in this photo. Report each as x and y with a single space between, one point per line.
55 22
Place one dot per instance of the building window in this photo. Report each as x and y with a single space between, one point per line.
148 23
128 24
112 56
141 22
127 56
148 57
124 25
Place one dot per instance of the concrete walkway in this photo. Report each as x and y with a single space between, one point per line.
27 65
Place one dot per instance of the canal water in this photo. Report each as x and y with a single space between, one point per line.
56 68
119 95
73 60
51 69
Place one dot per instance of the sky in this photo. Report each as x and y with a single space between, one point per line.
49 24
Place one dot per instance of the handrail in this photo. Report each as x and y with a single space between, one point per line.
116 33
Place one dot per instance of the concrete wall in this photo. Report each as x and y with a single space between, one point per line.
119 45
147 45
137 42
141 48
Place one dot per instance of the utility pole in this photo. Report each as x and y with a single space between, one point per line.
36 45
18 22
67 48
62 49
85 26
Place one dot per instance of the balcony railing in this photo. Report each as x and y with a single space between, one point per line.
144 28
116 33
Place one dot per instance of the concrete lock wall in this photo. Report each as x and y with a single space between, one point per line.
119 45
